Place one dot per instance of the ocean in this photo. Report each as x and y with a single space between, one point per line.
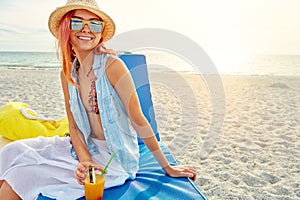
29 60
277 65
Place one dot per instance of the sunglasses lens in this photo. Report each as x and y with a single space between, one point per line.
76 24
96 27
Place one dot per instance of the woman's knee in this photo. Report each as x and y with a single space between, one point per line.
9 148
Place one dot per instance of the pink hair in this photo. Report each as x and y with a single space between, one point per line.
65 45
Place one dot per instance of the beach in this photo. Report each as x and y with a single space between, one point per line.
251 126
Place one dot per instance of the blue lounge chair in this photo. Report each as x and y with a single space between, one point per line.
151 181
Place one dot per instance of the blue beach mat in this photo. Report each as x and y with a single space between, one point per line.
151 181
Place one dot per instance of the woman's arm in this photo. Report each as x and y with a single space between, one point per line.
121 80
77 138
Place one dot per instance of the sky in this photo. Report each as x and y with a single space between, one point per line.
221 28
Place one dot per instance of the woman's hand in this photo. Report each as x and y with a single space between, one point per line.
181 171
82 170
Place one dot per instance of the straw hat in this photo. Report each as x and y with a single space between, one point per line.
90 5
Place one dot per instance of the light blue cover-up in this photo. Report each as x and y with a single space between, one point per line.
118 131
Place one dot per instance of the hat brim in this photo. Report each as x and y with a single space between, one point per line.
57 14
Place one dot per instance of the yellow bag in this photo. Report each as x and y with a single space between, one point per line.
18 121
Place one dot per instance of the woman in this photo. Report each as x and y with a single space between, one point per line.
103 112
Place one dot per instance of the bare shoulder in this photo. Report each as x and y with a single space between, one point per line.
115 69
115 64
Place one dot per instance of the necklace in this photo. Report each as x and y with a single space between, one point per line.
88 74
78 66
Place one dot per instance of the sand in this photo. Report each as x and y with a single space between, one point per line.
244 140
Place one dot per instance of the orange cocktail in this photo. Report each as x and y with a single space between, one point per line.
94 191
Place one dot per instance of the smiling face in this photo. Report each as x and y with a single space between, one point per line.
84 40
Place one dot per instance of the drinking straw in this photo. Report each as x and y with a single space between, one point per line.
105 168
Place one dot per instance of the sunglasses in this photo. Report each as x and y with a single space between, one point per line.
94 26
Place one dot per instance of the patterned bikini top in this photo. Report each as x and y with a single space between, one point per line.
92 99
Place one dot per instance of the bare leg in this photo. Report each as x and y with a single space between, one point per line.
7 193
